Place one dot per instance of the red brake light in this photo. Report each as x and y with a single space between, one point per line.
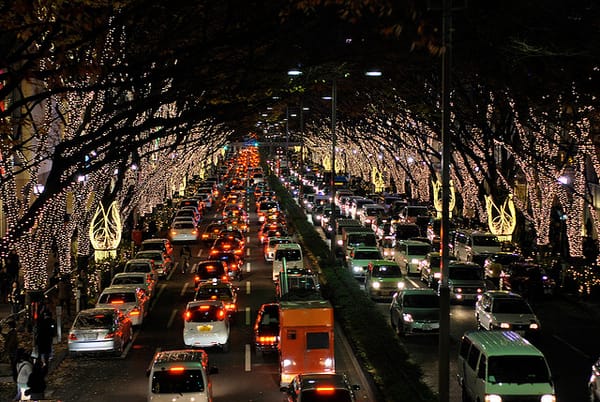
204 308
72 337
187 315
117 302
221 314
177 369
325 390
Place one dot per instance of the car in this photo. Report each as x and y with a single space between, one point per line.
527 279
499 309
212 231
227 245
183 232
182 373
409 254
218 290
162 262
266 328
465 281
161 244
233 264
359 259
100 330
494 263
139 280
387 246
430 269
383 278
133 302
415 311
206 324
188 213
316 214
143 265
271 243
321 388
209 270
233 233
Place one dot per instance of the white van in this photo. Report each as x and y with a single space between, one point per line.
292 253
180 374
472 245
502 366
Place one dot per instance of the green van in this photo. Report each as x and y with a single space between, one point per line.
499 366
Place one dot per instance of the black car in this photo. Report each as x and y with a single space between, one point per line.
209 270
320 388
266 328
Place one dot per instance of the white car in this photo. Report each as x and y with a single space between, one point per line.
503 310
206 324
140 280
133 302
181 231
162 262
269 247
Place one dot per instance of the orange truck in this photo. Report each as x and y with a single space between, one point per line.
305 338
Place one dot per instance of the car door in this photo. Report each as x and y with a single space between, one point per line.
484 312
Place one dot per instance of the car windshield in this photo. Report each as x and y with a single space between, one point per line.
128 280
326 394
202 313
517 370
367 239
506 259
117 298
367 255
425 301
511 306
465 273
177 382
391 270
486 241
91 321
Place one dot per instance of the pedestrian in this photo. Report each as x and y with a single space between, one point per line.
4 286
46 330
24 368
36 383
14 298
185 254
82 289
11 343
64 294
12 265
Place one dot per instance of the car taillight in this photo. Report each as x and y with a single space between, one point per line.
187 315
72 337
110 335
325 390
230 306
134 312
267 339
221 314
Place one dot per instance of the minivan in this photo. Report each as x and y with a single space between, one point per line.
502 366
184 373
292 253
472 245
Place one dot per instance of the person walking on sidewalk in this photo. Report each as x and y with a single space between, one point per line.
24 369
185 254
46 330
14 298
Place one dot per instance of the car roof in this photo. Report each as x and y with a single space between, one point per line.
155 241
504 294
98 310
119 289
502 343
122 274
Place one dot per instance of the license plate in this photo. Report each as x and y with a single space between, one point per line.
90 337
204 328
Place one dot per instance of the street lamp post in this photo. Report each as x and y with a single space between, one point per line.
332 178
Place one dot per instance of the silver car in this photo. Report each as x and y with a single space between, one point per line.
100 330
415 310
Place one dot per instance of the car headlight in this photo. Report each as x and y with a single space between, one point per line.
414 261
457 290
534 325
375 285
401 285
407 317
357 268
548 398
437 275
504 325
287 363
493 398
340 242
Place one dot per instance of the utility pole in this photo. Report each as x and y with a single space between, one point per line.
332 179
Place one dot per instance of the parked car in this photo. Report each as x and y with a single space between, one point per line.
162 262
143 265
266 328
206 324
499 309
100 330
163 245
415 311
320 388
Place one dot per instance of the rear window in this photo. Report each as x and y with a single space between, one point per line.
274 242
486 241
289 255
202 313
367 255
211 270
183 225
419 250
117 298
128 280
138 268
177 381
210 292
93 321
153 246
